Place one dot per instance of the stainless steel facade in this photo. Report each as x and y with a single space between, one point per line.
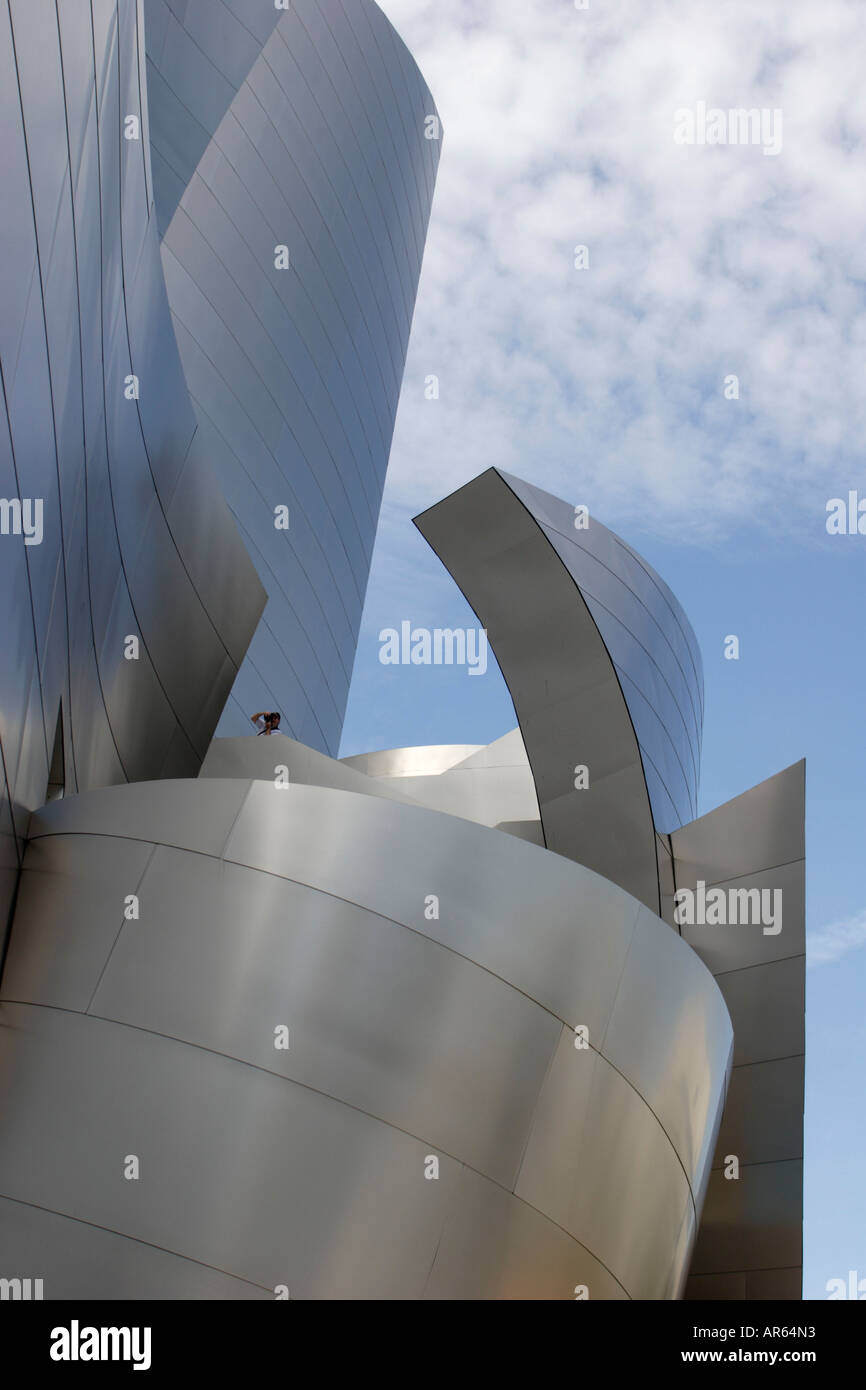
311 134
491 784
651 644
617 603
411 1037
589 640
573 702
751 1243
99 432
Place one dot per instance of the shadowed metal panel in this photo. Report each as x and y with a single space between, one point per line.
411 1036
198 55
98 429
754 1223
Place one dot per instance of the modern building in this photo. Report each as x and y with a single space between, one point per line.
425 1023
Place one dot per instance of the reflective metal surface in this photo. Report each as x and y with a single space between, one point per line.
509 1249
414 762
650 640
137 539
278 756
491 784
642 626
598 655
252 127
592 1136
303 129
410 1035
569 701
750 1241
118 1268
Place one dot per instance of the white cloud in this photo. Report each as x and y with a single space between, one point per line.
606 385
835 940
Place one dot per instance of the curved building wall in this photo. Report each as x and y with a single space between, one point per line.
493 787
316 143
655 669
491 783
651 643
97 429
409 1038
567 696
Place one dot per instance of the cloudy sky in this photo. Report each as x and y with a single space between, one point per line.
606 385
704 261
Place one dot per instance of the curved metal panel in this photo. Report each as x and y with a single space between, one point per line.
442 855
89 1263
490 784
198 55
501 1245
412 762
502 797
411 1035
303 130
188 817
688 1063
99 433
593 1134
277 756
256 950
642 626
569 702
221 1146
622 585
83 880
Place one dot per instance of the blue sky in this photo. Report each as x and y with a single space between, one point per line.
606 386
